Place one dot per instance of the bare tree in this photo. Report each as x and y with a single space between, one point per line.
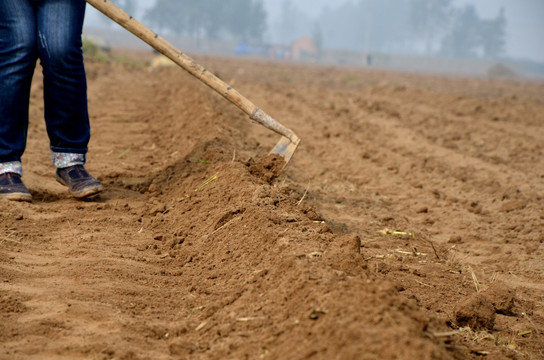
493 35
430 19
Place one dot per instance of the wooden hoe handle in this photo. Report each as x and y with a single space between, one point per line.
164 47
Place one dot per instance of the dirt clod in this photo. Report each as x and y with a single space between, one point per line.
476 312
267 167
501 297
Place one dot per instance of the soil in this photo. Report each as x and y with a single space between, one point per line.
408 225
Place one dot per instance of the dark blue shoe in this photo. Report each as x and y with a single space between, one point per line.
12 188
80 183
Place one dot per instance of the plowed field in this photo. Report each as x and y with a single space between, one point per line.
408 225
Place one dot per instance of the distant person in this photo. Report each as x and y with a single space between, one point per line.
369 60
49 30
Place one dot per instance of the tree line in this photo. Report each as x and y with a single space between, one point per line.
240 19
431 27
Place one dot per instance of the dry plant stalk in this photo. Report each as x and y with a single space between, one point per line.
206 183
474 279
304 195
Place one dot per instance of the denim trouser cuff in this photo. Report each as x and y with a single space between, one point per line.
14 167
64 160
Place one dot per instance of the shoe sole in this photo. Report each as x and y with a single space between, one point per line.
17 197
87 192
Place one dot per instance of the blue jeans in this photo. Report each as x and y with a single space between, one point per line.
49 30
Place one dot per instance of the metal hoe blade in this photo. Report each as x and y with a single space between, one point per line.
285 148
287 145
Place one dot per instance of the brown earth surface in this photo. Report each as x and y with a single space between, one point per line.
409 224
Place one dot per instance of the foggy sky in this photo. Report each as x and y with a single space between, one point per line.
524 31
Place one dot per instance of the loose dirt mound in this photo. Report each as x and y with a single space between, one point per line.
408 225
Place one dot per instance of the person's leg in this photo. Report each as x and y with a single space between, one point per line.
60 24
17 62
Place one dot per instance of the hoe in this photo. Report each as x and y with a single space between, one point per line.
288 143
